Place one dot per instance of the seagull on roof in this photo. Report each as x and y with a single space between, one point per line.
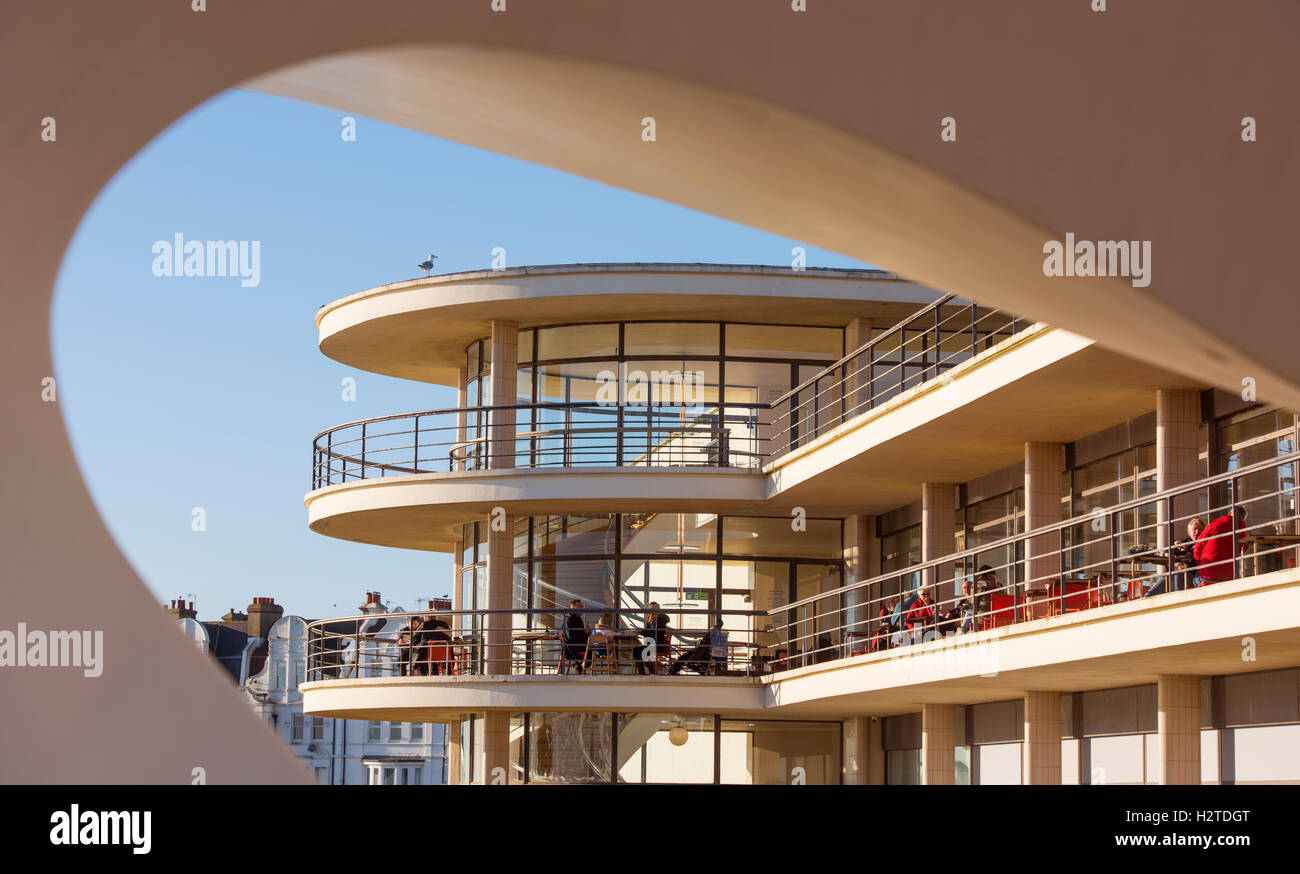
426 266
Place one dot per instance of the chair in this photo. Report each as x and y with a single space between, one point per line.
1002 611
601 657
441 660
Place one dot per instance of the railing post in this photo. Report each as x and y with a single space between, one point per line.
329 458
415 445
974 329
363 450
1114 560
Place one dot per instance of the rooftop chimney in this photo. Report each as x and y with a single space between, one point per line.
180 610
262 614
373 604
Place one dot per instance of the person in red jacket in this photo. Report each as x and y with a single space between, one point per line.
922 612
1214 550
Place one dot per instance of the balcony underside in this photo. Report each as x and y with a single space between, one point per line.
421 699
1045 385
424 511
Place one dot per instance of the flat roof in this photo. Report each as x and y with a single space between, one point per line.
418 328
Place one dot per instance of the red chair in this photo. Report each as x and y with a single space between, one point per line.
1078 596
1002 612
441 660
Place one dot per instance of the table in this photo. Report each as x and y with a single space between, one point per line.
537 635
1262 543
1134 563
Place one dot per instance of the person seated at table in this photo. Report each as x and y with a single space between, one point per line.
699 658
1184 569
574 635
433 632
825 650
406 647
1215 551
599 640
656 629
986 583
887 624
921 614
950 618
966 607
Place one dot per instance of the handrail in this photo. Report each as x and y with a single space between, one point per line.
863 348
1034 533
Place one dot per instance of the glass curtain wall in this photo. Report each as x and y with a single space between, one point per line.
708 373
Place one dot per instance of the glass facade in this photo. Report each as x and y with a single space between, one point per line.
672 748
689 563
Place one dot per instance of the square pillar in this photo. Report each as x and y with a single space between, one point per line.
458 456
1042 507
1041 751
855 751
938 757
500 594
496 748
938 531
875 760
1178 425
1178 704
504 392
857 397
861 562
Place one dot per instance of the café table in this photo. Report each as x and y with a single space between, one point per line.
1266 544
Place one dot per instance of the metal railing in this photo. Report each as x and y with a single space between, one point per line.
923 347
1134 550
541 435
589 640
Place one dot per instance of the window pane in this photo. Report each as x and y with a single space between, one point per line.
773 536
556 583
780 753
658 759
780 341
670 338
573 535
675 533
577 341
569 747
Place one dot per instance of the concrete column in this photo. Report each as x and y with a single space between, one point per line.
458 456
1178 702
496 748
875 752
855 751
1041 762
857 393
1178 424
500 592
457 565
453 753
861 562
505 382
938 757
1042 507
938 532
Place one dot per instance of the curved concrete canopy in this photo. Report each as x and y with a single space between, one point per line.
419 328
426 510
1122 125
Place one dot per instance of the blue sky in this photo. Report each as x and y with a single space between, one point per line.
196 392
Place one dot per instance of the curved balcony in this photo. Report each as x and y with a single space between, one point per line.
409 480
573 435
1099 601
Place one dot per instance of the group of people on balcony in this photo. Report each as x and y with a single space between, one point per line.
424 647
651 644
1206 555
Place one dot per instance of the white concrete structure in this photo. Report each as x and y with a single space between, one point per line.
798 455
